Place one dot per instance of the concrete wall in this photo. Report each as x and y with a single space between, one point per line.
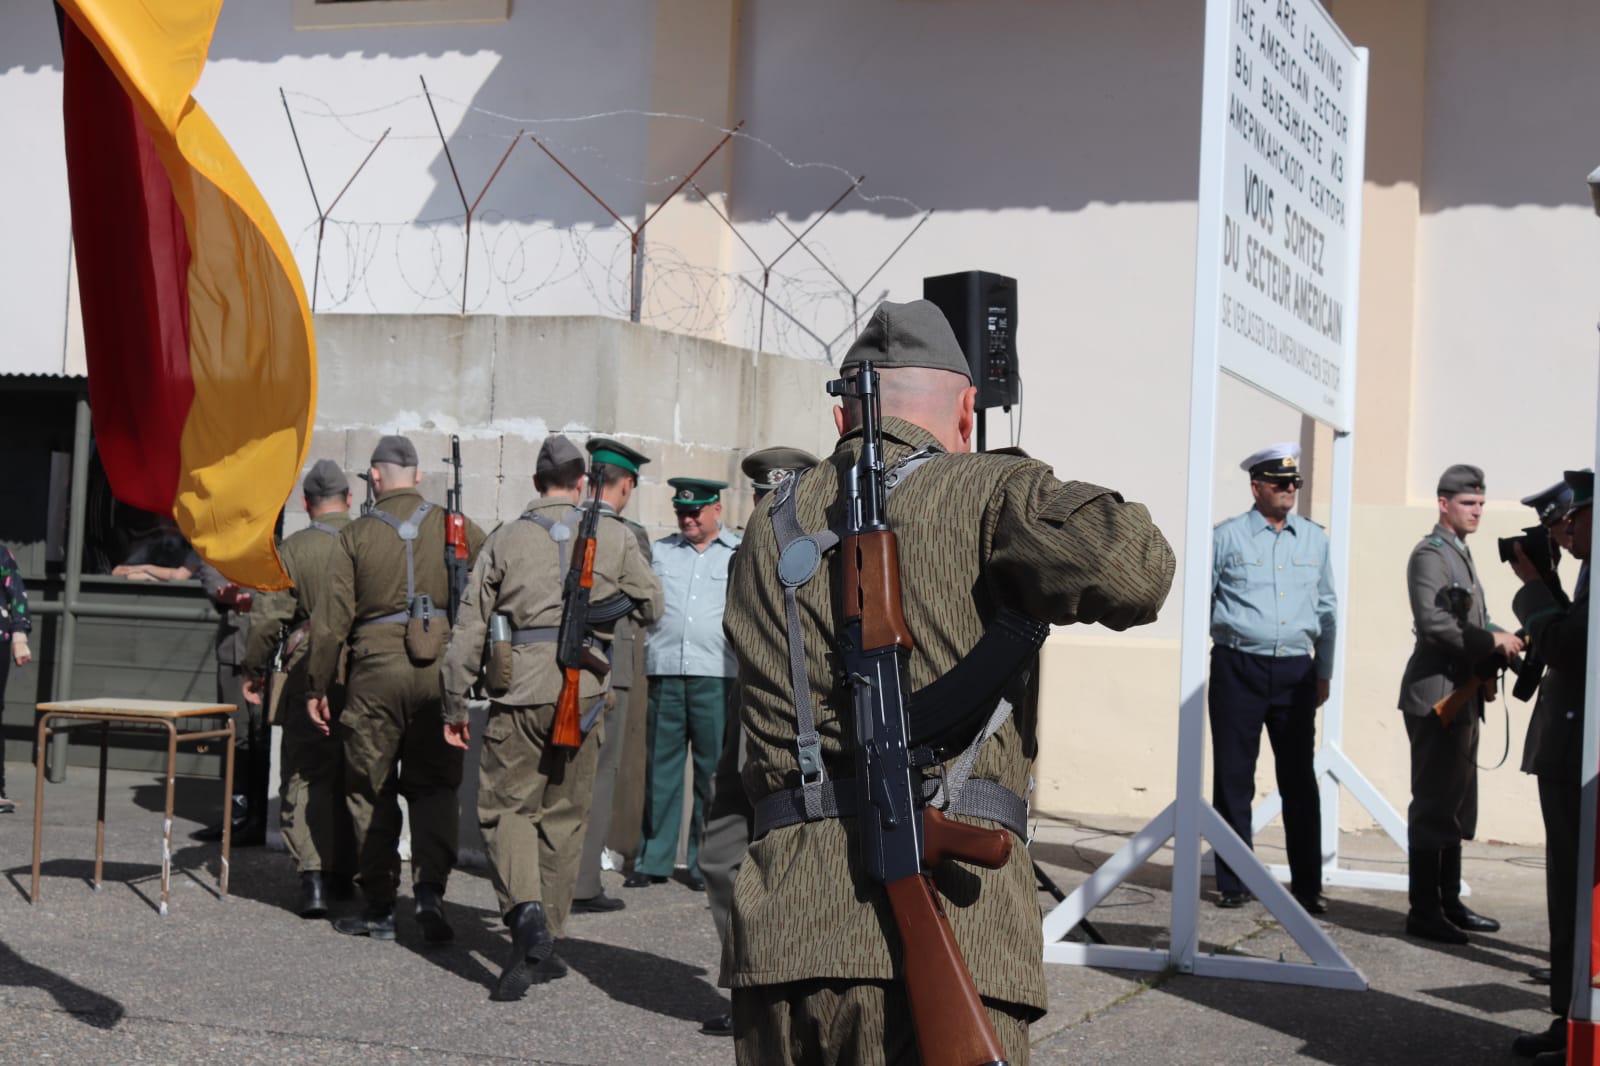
502 384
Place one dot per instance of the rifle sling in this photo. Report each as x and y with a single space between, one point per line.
836 798
407 532
945 711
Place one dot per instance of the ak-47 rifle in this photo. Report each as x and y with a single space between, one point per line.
901 840
573 653
1452 705
372 496
455 535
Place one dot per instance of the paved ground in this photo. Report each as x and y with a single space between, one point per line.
92 977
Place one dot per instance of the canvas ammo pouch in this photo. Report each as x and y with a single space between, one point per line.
497 656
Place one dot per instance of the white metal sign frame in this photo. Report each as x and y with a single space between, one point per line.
1290 333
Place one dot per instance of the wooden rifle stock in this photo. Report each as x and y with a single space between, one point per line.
565 733
952 1027
872 590
1451 705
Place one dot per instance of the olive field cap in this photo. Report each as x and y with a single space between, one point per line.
1461 478
1582 482
615 453
695 491
767 468
395 449
559 458
325 479
1281 460
1551 503
911 334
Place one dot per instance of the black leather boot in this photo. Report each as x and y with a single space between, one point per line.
313 901
1457 912
531 946
429 899
377 922
1426 919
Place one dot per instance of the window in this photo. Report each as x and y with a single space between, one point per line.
348 14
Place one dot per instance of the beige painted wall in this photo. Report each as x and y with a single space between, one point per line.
1108 734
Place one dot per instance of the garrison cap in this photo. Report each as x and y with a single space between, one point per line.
1551 503
695 491
1459 479
395 449
325 479
912 334
1281 460
615 453
558 458
767 468
1582 482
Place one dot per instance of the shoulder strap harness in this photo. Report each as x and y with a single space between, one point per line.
799 556
407 531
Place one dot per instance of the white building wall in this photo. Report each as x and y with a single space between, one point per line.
1056 143
1508 285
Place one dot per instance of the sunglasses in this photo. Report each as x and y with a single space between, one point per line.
1282 483
690 512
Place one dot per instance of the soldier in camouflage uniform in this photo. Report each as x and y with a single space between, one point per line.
314 815
392 727
533 798
814 952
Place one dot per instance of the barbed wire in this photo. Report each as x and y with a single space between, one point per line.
493 261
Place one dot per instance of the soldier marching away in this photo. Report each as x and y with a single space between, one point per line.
386 595
533 796
314 815
616 466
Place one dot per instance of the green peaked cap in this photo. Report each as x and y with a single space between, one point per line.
695 491
615 453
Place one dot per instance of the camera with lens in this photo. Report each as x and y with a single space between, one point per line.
1535 541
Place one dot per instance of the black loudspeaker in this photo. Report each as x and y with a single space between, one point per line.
982 309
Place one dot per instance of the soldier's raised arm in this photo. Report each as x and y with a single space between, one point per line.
1069 552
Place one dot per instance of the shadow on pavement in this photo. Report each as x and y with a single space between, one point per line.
85 1004
1353 1028
641 979
194 799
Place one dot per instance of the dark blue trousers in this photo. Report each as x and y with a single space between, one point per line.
1247 693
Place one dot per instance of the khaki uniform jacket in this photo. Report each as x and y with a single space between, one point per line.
1560 634
307 558
367 579
975 532
627 634
1450 619
519 574
232 626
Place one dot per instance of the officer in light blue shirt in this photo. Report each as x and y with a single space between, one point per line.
1272 632
691 672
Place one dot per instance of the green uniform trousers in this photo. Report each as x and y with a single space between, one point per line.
686 715
846 1023
533 803
729 823
605 783
393 733
314 817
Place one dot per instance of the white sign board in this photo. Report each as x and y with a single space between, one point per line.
1289 206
